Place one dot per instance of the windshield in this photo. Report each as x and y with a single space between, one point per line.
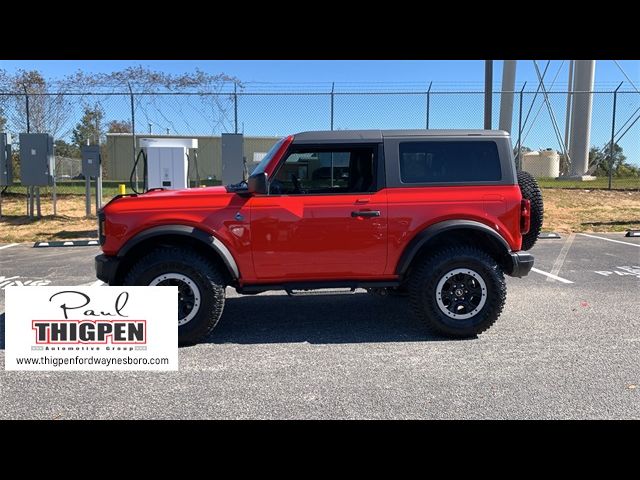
267 158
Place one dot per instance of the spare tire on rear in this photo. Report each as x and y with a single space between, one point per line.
531 191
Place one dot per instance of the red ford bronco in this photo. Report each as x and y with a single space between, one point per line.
437 215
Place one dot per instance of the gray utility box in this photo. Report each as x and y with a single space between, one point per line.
232 161
37 163
91 161
6 165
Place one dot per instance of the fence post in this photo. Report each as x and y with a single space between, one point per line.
613 130
333 86
133 132
518 159
428 102
235 107
26 96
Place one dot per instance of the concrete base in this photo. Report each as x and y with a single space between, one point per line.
580 178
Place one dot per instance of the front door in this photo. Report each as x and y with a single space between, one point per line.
325 216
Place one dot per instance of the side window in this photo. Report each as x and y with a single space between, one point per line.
449 161
325 171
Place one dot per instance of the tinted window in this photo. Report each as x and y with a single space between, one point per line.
328 171
449 161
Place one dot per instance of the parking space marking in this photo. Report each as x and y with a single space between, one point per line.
9 246
551 275
557 265
97 283
611 240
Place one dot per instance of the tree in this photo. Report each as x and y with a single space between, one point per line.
48 111
64 149
88 129
119 126
602 158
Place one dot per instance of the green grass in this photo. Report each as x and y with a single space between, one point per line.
77 187
617 183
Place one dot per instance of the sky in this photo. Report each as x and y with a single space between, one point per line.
281 115
312 71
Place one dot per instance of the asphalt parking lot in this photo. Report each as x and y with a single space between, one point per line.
566 346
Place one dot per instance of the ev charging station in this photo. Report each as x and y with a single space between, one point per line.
167 161
37 168
6 165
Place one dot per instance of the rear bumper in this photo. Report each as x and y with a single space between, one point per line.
521 264
106 268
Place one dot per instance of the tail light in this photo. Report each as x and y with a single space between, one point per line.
525 216
102 220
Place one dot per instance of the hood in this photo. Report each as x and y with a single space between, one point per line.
170 199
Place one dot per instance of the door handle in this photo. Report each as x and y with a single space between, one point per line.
366 213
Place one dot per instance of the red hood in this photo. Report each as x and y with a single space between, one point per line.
188 191
210 197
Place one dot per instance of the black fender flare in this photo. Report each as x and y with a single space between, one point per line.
431 231
209 240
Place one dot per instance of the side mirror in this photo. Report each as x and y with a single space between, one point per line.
257 183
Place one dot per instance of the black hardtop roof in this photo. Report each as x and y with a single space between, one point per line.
378 135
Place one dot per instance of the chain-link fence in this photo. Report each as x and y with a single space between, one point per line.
539 122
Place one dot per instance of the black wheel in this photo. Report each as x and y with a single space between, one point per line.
201 288
531 191
458 292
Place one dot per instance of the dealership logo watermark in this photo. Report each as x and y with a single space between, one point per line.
84 328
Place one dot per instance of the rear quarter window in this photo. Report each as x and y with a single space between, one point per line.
449 162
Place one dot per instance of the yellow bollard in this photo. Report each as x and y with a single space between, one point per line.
122 189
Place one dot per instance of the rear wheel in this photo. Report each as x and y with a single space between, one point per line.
531 191
458 292
201 288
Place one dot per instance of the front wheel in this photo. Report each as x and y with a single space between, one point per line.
201 288
458 292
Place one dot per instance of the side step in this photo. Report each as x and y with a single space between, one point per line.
320 291
340 287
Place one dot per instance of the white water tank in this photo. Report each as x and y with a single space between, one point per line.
542 164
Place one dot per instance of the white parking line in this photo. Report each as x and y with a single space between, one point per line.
97 283
9 246
557 265
610 240
551 275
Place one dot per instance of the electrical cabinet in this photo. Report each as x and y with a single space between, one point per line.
37 163
91 161
232 157
6 164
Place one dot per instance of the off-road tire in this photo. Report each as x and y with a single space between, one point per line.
202 271
423 284
531 191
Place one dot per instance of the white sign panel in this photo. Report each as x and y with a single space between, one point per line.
88 328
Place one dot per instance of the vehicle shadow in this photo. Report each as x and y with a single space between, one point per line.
69 235
354 318
1 331
321 319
